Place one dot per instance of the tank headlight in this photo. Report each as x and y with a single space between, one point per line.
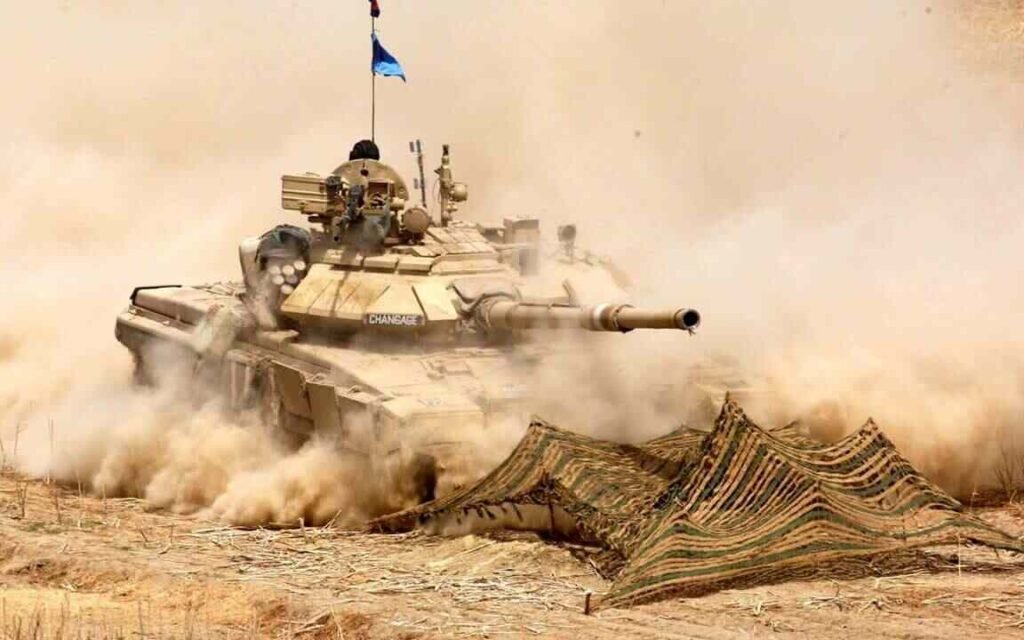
459 192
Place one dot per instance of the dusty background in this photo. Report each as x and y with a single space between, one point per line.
835 186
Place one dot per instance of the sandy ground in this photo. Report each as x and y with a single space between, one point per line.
77 566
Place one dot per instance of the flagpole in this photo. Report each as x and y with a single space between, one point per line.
373 86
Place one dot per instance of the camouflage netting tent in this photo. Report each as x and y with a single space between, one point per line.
695 512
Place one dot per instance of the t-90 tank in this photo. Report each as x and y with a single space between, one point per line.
384 327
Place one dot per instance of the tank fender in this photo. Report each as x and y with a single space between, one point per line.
241 373
323 404
346 414
358 413
291 386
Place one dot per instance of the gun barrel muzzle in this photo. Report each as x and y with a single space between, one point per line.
626 318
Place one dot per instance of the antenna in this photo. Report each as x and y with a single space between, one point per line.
444 173
373 79
421 182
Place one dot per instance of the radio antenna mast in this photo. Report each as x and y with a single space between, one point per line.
373 83
421 182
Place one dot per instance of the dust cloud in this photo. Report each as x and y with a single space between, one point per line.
835 187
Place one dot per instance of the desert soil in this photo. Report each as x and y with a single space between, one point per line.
76 566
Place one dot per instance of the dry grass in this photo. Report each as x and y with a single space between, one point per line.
64 623
90 545
1008 605
113 568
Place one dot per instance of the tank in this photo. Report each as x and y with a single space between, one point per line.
390 327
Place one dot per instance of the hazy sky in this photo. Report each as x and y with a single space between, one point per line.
835 185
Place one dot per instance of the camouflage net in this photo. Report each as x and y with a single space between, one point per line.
695 512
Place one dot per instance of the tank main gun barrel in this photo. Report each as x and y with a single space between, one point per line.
504 314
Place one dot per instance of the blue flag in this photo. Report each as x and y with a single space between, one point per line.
384 64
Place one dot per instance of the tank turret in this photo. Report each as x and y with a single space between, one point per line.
378 264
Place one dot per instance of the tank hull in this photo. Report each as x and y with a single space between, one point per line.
451 407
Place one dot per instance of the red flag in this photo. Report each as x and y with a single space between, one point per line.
375 8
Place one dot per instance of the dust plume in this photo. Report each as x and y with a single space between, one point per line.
835 186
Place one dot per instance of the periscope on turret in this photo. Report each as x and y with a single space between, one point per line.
441 308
